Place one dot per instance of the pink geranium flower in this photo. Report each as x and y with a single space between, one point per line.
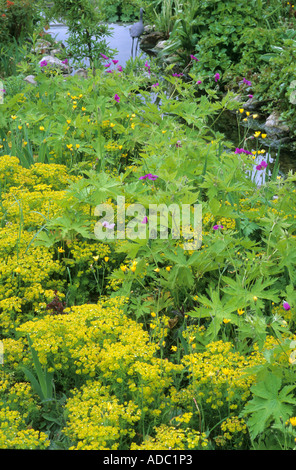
261 166
149 176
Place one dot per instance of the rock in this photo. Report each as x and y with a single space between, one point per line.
30 79
54 52
149 28
273 121
55 63
41 47
81 73
160 45
149 41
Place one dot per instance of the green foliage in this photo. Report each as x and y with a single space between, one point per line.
43 384
17 19
271 404
138 330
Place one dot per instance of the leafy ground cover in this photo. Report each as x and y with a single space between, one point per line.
136 343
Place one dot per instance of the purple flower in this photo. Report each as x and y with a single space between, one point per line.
178 144
217 76
114 61
198 82
217 227
147 66
149 176
43 63
145 220
120 68
116 97
177 74
261 166
286 305
194 58
107 65
238 150
3 91
107 225
250 96
104 56
155 84
247 82
65 61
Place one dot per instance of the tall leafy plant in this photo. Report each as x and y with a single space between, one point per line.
87 27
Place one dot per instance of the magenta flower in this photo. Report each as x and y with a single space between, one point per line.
247 82
115 61
217 227
178 144
155 85
104 56
238 150
149 176
250 96
177 74
194 58
145 220
286 305
120 68
147 66
43 63
107 65
261 166
116 97
199 82
65 61
3 91
217 76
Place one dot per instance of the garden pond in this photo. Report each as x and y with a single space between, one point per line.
120 41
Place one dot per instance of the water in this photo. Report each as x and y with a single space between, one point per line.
120 40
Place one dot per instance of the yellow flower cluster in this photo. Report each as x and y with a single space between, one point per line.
217 376
113 146
234 430
14 433
97 421
173 438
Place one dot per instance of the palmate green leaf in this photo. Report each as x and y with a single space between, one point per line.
270 404
217 309
245 292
